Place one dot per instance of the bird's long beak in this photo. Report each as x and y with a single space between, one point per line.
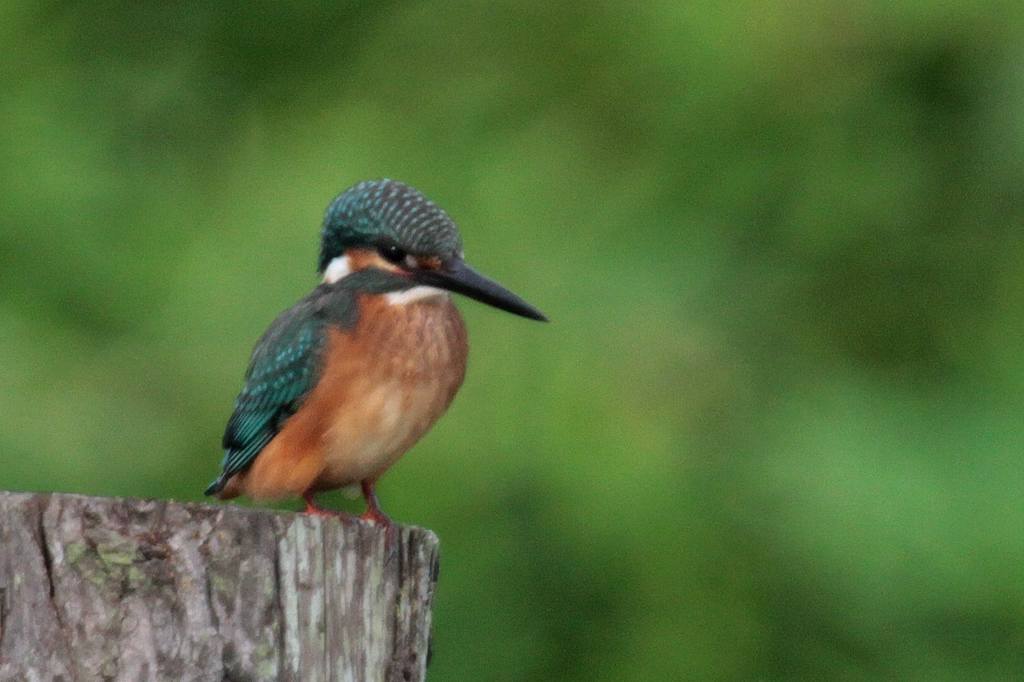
455 275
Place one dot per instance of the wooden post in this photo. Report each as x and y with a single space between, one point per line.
120 589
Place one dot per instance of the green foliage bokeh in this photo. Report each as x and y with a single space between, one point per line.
773 430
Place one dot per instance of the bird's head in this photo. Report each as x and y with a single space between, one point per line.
389 226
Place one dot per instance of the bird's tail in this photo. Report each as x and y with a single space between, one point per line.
217 485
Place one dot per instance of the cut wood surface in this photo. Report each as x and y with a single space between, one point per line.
122 589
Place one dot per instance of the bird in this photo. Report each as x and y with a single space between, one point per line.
343 383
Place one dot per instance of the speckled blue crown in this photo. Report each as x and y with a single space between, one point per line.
376 210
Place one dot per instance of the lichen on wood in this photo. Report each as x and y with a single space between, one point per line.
120 589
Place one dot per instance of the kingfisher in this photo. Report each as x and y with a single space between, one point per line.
348 379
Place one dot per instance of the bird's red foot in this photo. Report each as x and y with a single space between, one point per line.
376 516
373 514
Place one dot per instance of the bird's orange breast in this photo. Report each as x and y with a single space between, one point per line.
383 385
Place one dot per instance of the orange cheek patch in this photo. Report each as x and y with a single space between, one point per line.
360 259
429 262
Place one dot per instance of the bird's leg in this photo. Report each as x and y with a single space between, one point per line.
374 515
313 509
373 512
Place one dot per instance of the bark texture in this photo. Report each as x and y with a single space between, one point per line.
121 589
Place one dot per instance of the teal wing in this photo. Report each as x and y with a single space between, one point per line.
284 368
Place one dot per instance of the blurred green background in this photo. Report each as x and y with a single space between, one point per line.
774 429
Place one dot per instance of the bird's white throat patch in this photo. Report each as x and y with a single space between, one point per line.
415 294
336 269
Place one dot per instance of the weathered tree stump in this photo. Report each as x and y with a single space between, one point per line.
120 589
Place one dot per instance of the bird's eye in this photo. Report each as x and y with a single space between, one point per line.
391 253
